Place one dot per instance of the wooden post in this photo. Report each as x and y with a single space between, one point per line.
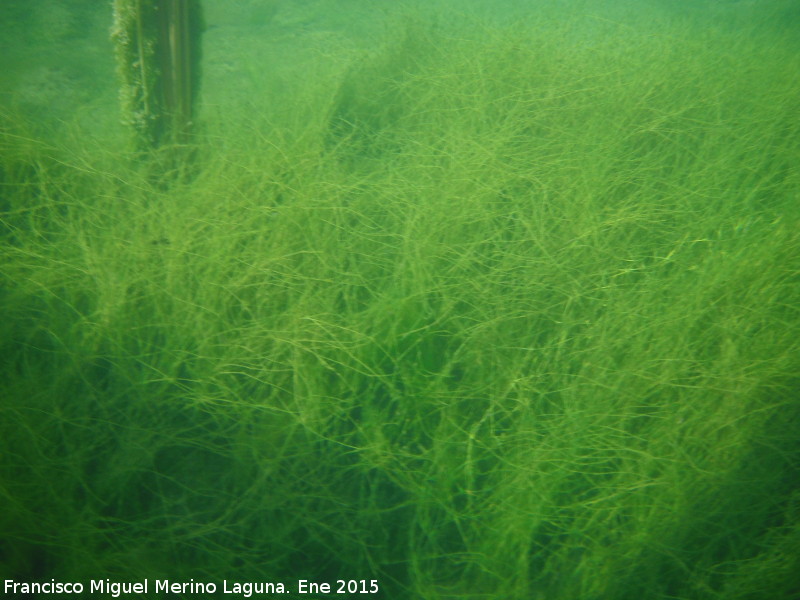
158 57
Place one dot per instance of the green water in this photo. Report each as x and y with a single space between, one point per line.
477 300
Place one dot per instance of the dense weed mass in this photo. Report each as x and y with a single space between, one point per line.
490 312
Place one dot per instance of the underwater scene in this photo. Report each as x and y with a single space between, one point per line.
400 299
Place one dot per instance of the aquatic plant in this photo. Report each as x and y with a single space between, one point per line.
487 312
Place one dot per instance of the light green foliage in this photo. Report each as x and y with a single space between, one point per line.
487 313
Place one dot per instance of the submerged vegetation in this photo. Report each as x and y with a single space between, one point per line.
488 312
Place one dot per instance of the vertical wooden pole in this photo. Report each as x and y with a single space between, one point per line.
158 58
179 65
